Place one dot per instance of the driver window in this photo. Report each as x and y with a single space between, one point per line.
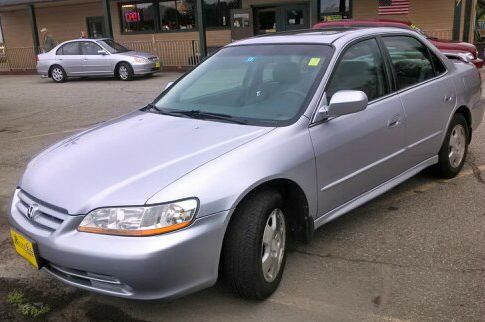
90 48
361 68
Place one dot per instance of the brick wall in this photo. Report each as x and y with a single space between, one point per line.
433 16
16 28
63 21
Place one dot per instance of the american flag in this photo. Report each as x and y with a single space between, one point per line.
393 7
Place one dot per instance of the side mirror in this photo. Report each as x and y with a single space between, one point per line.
102 52
168 85
343 103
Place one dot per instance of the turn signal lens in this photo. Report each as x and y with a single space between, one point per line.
140 221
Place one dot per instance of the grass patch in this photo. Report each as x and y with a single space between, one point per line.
34 310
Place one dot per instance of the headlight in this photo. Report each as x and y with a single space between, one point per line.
140 221
141 60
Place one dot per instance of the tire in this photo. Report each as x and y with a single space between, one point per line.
58 74
125 72
244 250
453 152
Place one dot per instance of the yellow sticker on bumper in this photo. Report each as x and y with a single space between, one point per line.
24 247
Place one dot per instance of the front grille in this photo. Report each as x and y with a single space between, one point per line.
97 281
46 217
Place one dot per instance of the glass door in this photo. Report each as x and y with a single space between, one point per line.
296 17
265 19
96 27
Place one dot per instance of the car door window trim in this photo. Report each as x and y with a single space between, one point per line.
333 67
397 90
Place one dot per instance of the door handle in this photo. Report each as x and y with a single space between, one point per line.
448 98
394 121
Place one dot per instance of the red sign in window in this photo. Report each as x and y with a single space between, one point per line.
132 16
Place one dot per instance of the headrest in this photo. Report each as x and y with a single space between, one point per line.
286 73
354 68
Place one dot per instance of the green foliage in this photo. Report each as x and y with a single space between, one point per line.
15 297
32 310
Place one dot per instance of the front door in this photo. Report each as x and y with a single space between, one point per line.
96 27
280 18
357 152
94 62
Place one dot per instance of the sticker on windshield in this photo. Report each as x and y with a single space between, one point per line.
314 61
251 59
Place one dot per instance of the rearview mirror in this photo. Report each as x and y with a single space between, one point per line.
168 85
343 103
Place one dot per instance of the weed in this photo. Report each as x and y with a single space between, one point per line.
32 310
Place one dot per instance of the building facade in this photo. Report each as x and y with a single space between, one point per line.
170 27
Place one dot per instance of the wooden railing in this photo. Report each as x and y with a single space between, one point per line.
440 33
172 53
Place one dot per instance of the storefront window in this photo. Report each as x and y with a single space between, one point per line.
175 15
138 17
217 12
334 9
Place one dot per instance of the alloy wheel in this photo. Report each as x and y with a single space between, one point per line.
457 145
57 74
123 71
273 245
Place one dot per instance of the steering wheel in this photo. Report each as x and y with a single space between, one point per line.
293 92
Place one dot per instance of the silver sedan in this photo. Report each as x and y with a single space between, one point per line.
266 140
95 57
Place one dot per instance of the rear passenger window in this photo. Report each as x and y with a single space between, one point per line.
71 48
361 68
411 60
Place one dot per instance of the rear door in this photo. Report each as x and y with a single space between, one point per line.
357 152
94 62
427 94
70 58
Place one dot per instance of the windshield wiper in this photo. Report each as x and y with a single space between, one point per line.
206 115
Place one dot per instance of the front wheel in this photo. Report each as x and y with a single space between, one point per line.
254 250
125 72
453 152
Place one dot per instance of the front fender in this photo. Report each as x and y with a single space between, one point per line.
285 153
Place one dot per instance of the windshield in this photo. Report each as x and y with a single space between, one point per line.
113 47
257 84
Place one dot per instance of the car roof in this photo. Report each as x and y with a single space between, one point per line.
318 36
85 39
363 23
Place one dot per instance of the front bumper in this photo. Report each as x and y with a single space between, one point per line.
164 266
148 68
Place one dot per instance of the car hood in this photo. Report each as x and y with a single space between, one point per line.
126 161
137 54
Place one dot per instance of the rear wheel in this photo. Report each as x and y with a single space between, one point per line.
254 251
453 152
125 72
58 74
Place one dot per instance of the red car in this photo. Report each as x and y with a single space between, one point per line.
449 46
